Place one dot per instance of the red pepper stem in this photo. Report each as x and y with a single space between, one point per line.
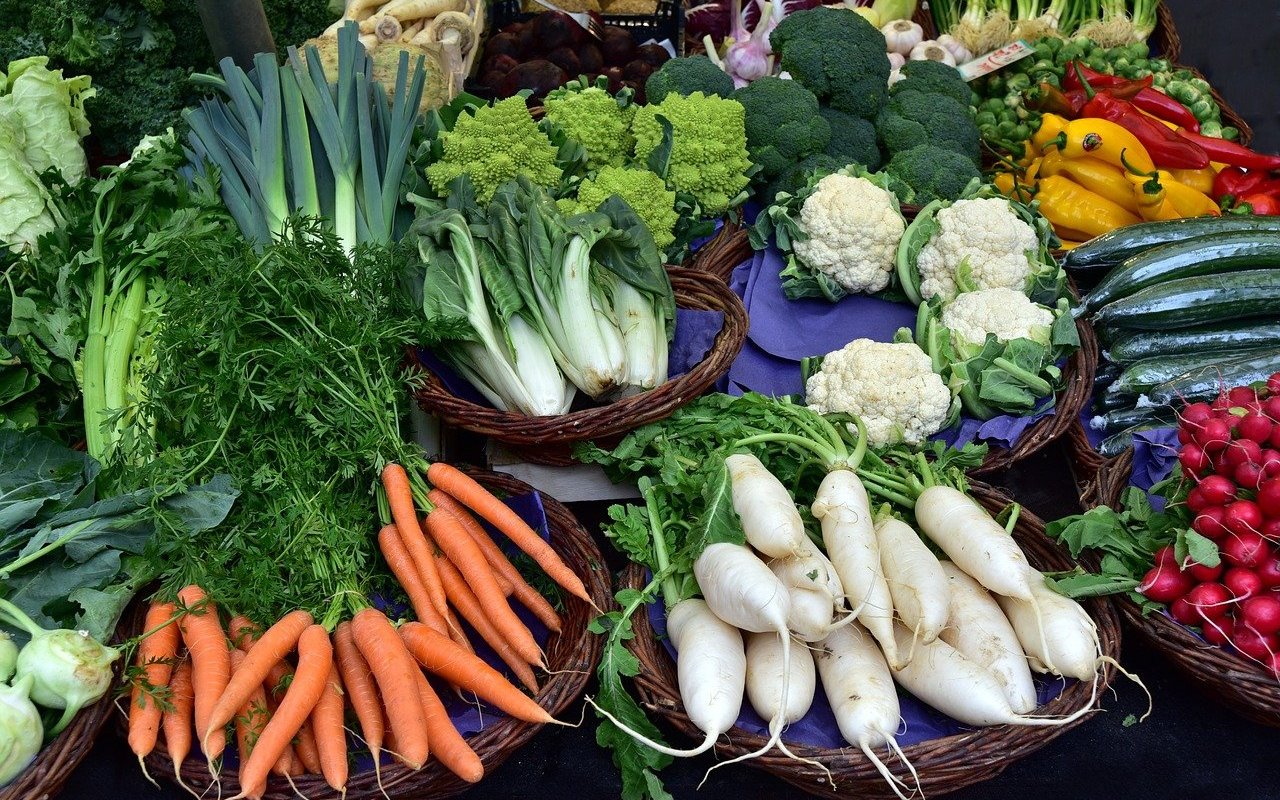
1088 89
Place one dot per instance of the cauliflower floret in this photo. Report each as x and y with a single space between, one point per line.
853 229
985 239
891 387
1007 313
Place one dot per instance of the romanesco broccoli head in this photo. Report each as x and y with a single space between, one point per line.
853 139
641 189
709 157
914 118
783 125
934 173
595 119
840 56
686 76
493 146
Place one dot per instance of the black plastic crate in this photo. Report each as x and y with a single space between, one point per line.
667 22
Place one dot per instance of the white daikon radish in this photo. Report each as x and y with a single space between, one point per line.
815 589
974 541
1062 638
769 516
981 632
849 534
859 687
764 673
963 689
916 582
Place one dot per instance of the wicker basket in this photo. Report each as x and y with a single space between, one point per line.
45 777
944 764
1244 686
550 440
1164 39
730 247
572 656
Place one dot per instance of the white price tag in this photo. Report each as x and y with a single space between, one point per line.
996 59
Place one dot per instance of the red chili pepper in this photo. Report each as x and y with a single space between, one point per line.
1263 204
1236 182
1226 152
1159 104
1078 75
1165 147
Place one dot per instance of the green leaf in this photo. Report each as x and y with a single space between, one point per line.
1201 549
38 474
659 160
719 522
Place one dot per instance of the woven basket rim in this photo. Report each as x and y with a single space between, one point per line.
573 656
945 764
1243 685
692 286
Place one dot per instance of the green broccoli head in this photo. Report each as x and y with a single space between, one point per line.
708 158
839 56
783 123
853 139
686 76
934 173
933 77
914 118
595 119
794 178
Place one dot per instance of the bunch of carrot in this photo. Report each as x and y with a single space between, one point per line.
288 715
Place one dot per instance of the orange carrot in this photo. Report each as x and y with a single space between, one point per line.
210 663
393 669
447 533
269 650
475 497
243 632
361 693
447 745
502 566
444 658
331 736
458 635
395 481
155 660
177 719
409 574
252 718
315 662
304 744
290 763
471 610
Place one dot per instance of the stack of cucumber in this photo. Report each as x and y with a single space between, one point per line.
1183 308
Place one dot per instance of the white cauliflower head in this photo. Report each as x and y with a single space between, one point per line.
984 238
853 229
891 387
1008 313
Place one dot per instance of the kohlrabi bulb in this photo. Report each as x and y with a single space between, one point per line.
69 669
8 657
20 730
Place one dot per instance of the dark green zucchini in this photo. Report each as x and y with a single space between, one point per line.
1111 401
1206 255
1201 300
1144 375
1109 249
1205 384
1125 418
1107 372
1236 335
1117 443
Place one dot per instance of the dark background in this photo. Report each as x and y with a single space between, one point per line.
1189 748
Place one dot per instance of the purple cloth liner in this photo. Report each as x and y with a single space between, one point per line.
784 331
818 728
468 718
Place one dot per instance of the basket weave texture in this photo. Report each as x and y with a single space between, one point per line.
945 764
1244 686
572 656
550 440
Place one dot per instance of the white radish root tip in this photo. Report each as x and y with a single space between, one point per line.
706 745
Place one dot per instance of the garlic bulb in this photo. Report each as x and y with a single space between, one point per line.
901 35
896 60
955 48
932 51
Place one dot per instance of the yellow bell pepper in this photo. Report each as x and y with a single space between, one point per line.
1033 172
1187 200
1094 175
1199 179
1051 126
1068 205
1107 142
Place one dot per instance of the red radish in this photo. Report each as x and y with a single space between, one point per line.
1196 501
1214 435
1273 383
1165 556
1271 407
1202 573
1223 467
1248 476
1262 613
1271 529
1269 497
1242 582
1240 395
1270 463
1193 458
1184 612
1243 517
1165 584
1210 600
1252 644
1256 427
1218 631
1222 403
1246 549
1217 490
1243 451
1269 572
1274 441
1274 665
1195 415
1208 523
